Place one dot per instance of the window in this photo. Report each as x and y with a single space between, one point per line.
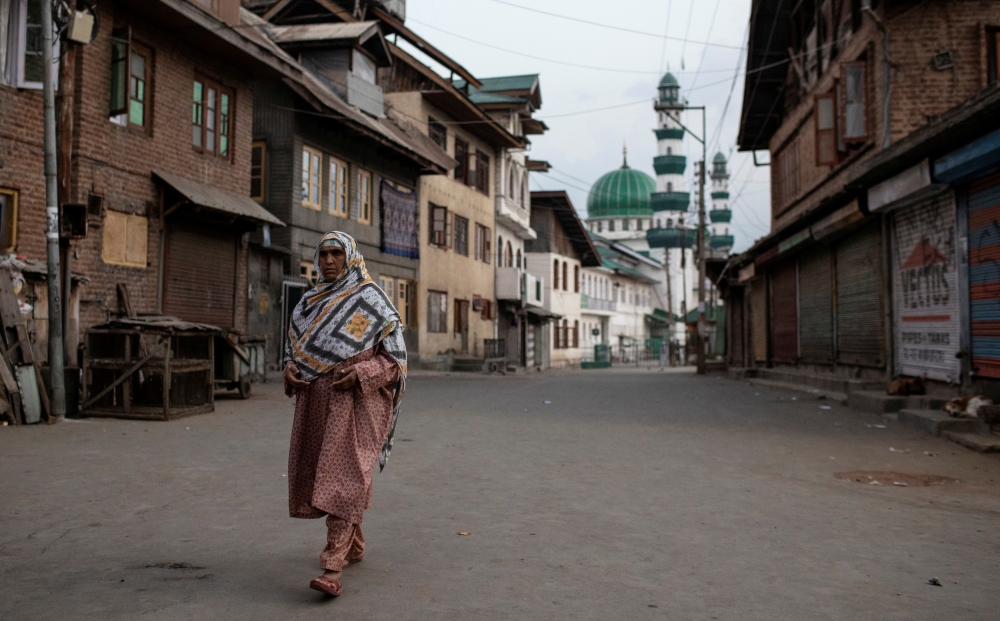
210 117
130 74
500 262
576 279
788 173
509 256
854 109
124 239
483 172
311 173
555 274
307 270
670 187
611 226
600 226
826 130
440 231
21 37
519 257
638 225
625 225
565 280
576 333
338 187
403 300
388 286
462 235
8 219
257 162
462 156
484 244
364 196
438 133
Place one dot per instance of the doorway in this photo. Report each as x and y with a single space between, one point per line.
462 323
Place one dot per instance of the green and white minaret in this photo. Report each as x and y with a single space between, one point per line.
670 201
721 241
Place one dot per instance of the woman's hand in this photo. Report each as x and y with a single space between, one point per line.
348 378
292 378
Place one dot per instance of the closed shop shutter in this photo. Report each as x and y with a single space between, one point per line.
758 318
984 275
925 289
200 275
816 305
784 313
860 324
736 328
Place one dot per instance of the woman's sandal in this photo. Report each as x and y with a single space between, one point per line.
327 585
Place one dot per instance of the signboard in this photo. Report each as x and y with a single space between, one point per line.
925 290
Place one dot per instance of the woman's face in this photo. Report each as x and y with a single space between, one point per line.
331 262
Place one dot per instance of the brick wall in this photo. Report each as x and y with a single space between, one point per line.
116 162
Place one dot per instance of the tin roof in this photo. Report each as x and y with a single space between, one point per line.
218 199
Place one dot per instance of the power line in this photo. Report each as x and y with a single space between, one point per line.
610 27
687 31
711 28
666 31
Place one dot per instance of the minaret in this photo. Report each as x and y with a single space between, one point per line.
721 241
670 201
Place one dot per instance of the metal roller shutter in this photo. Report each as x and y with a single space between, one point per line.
860 324
925 289
984 275
200 275
736 328
816 305
758 320
784 313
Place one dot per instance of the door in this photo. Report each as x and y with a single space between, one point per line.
816 305
784 312
199 279
925 290
736 329
984 275
758 318
860 320
462 323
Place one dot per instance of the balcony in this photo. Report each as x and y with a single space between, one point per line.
670 201
595 304
515 217
721 241
669 164
720 215
508 283
672 238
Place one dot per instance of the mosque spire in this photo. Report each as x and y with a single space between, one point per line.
624 155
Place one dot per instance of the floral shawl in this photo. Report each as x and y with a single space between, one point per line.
338 319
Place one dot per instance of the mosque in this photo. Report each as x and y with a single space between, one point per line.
659 218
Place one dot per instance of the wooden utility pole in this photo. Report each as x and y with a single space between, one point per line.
64 161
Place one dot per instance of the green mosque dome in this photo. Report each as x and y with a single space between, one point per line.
669 80
719 157
622 192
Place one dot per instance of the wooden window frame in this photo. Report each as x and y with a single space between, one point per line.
484 244
364 196
462 157
439 237
825 133
404 292
258 171
307 270
443 310
383 282
313 181
565 276
576 333
438 133
461 225
865 103
337 186
576 279
19 38
8 224
482 172
555 274
788 168
199 118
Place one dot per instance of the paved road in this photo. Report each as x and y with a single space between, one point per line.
632 495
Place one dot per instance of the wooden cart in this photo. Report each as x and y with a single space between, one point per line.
152 368
238 365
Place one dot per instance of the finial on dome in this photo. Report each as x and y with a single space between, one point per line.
624 155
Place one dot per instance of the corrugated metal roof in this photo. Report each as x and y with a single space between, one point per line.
340 31
218 199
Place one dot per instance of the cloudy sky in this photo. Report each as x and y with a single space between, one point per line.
598 83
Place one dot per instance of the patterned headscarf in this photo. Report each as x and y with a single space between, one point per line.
338 319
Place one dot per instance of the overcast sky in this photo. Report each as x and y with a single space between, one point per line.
581 147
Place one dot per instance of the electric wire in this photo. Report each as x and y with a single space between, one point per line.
609 26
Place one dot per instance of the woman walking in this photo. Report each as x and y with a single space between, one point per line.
346 364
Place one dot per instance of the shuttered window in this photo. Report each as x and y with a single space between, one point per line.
124 239
860 321
854 108
200 275
816 305
784 312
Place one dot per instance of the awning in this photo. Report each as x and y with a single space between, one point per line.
218 199
541 313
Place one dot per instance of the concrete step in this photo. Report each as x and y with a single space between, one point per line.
877 402
937 422
824 382
467 365
980 442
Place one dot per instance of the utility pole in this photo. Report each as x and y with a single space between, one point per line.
56 353
700 339
670 307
